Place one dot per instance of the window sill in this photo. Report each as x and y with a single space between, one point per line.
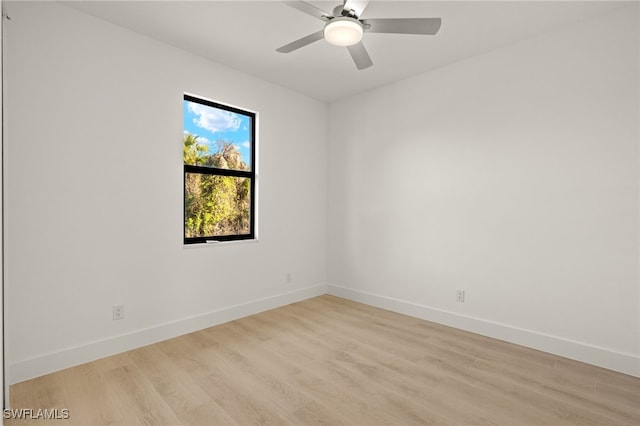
219 243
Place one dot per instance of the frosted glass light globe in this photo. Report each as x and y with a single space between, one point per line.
343 31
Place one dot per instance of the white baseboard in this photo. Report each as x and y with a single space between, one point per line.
602 357
72 356
90 351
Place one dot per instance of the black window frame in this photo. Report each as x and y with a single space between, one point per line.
251 175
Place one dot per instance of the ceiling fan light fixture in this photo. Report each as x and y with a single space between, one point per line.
343 31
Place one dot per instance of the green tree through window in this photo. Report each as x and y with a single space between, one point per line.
219 178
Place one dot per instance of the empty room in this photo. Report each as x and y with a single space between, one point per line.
321 212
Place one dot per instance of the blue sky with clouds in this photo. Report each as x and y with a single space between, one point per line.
212 124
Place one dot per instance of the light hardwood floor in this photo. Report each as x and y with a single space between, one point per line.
331 361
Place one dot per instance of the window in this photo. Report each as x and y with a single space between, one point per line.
219 172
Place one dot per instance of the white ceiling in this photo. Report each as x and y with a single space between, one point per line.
244 35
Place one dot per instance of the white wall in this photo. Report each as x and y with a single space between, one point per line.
94 192
512 175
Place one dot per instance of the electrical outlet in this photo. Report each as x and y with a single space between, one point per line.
460 296
118 312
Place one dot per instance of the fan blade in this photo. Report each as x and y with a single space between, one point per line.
428 26
357 6
360 56
301 42
309 9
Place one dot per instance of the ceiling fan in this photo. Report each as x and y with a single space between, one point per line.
344 27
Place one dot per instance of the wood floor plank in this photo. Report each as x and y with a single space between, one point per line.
548 379
136 399
330 361
404 379
179 389
422 372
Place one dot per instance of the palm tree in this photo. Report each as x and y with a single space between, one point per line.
192 150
